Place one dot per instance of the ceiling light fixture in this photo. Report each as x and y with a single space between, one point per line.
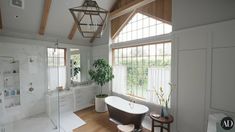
90 19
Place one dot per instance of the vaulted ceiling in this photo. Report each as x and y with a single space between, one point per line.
26 22
124 10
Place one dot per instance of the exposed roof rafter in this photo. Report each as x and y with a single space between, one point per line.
124 23
46 10
73 31
129 7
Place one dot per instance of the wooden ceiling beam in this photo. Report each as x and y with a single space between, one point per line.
73 31
124 23
128 8
46 10
1 20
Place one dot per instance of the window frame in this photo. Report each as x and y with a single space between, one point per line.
141 29
142 45
70 67
65 57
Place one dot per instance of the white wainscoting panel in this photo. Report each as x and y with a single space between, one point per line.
191 90
223 79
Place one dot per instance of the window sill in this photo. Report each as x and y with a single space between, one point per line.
138 99
160 38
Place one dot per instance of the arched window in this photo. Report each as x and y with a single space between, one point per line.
142 26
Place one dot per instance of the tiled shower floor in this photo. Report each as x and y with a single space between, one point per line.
39 123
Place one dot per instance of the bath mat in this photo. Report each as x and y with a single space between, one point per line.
70 121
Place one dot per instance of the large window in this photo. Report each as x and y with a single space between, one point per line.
142 26
142 65
75 69
56 57
56 68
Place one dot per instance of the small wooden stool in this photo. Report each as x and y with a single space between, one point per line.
126 128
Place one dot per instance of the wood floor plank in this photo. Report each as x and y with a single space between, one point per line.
96 122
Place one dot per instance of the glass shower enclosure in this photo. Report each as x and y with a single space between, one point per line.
16 93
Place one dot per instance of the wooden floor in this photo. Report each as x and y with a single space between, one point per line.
96 122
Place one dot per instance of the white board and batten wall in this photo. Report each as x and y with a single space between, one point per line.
205 74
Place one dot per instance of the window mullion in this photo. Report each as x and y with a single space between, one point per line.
137 65
156 56
148 56
118 58
122 56
131 72
163 54
142 68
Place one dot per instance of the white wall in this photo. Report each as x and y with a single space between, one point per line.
31 103
204 61
192 13
205 74
34 103
101 51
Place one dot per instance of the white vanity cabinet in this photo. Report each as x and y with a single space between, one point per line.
65 103
72 100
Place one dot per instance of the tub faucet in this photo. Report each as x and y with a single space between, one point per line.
131 100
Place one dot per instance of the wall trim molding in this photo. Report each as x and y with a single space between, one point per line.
201 25
47 38
15 40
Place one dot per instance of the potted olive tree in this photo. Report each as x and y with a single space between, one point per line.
101 74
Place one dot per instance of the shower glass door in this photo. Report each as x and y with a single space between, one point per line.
22 91
56 82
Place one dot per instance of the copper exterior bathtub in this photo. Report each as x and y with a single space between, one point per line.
126 112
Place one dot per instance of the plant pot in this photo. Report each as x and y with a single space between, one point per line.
100 105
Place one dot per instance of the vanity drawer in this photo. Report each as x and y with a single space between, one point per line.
67 99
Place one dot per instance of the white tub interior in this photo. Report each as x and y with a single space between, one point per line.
126 106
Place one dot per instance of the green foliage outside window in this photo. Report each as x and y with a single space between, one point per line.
138 61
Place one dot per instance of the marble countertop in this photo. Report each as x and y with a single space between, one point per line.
69 91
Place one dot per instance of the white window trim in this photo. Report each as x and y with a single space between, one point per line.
152 39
